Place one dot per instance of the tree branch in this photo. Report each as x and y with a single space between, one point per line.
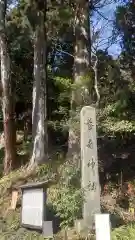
105 18
96 80
64 52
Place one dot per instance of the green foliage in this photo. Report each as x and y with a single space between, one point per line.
115 114
67 198
110 122
124 233
63 83
64 86
125 28
68 205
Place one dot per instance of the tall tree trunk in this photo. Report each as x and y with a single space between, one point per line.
81 77
39 115
82 53
7 96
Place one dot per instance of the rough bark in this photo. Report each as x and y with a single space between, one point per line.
39 114
82 52
95 69
7 97
82 60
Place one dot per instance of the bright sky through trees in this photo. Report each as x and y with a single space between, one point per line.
102 24
102 27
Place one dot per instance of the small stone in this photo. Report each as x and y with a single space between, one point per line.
47 229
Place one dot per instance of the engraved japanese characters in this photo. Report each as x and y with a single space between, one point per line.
89 164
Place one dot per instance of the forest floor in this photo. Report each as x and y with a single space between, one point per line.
123 227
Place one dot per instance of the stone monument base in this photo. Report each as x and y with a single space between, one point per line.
84 229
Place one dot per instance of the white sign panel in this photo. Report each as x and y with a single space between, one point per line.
32 207
102 225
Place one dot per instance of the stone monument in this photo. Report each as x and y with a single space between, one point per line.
89 166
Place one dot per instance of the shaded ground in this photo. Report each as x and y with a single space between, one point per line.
116 160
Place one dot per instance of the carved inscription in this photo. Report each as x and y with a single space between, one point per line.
89 124
90 176
91 163
90 144
92 186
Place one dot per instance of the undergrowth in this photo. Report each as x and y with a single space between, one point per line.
124 233
64 202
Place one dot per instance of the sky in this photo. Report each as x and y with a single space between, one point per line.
102 21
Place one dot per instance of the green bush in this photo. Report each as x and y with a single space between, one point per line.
68 205
68 200
124 233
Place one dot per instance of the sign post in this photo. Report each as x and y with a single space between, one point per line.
33 215
102 226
